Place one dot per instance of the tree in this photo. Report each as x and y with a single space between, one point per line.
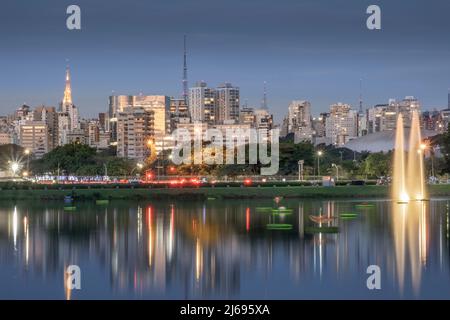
445 145
377 164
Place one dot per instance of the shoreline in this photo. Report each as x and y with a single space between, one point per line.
211 193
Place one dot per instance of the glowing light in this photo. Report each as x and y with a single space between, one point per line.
319 153
15 167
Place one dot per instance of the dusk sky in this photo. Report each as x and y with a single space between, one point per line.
304 49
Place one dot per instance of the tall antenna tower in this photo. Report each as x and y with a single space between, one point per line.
185 79
264 101
360 97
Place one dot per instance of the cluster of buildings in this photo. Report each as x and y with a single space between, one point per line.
343 123
139 124
133 122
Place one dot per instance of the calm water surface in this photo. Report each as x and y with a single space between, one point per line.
224 249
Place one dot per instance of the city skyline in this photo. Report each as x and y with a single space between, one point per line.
295 63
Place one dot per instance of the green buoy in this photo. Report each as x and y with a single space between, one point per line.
348 215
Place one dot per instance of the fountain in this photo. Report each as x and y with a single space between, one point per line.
408 182
410 212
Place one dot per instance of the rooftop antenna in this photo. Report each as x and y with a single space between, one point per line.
360 97
185 79
264 101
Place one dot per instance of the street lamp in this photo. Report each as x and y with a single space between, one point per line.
319 154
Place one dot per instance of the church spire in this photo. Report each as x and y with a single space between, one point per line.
67 91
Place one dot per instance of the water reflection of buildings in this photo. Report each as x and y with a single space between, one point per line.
194 250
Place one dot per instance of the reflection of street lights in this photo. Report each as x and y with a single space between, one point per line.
27 153
337 170
300 169
319 154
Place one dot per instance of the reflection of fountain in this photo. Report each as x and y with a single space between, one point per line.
408 179
410 231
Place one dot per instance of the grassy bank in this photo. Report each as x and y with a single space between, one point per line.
211 193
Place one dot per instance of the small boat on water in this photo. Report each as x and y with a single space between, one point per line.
102 202
68 199
322 218
70 208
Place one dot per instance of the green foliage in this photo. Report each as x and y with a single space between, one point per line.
445 145
377 164
82 160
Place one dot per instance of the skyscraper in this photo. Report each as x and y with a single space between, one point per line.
135 127
67 105
299 120
342 124
49 116
227 101
202 103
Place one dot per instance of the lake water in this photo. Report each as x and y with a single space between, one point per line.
225 250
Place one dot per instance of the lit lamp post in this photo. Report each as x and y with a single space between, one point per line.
319 154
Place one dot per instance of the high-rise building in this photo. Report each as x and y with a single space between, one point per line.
23 113
5 138
202 104
299 120
93 133
67 105
383 117
135 127
228 103
342 124
34 136
178 110
263 119
50 117
247 116
63 127
103 121
160 105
